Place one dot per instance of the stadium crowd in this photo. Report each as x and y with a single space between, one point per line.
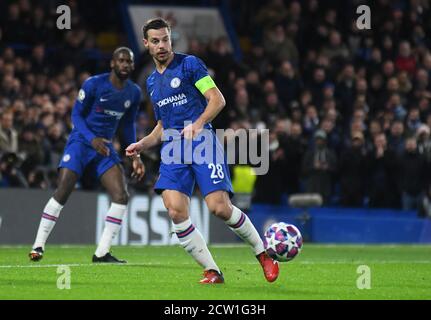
348 110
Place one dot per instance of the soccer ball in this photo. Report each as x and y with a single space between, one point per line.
282 241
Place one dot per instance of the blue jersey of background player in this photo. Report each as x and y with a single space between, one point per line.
182 91
96 115
103 101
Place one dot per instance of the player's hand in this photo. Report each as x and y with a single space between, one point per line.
134 149
99 144
138 168
192 130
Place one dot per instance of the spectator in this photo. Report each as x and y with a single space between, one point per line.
317 85
413 121
375 128
345 89
406 84
40 30
288 84
311 120
336 50
318 167
220 58
37 179
273 12
405 60
10 174
413 175
30 150
272 108
395 106
424 142
296 113
15 28
294 147
55 141
241 109
375 93
361 87
353 172
10 87
424 108
39 61
8 134
333 137
383 175
387 48
269 187
355 126
388 69
279 47
422 87
374 60
253 86
396 137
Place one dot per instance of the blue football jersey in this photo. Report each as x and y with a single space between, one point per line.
177 93
177 96
100 107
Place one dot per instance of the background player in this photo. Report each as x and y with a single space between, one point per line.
102 101
181 90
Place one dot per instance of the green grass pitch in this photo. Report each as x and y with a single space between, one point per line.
319 272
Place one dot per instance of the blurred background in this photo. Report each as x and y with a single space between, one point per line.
348 110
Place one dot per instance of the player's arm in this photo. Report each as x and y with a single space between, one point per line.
197 73
82 104
151 140
129 134
216 103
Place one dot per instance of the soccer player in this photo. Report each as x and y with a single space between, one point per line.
181 90
102 102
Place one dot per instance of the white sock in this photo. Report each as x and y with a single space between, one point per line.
113 220
244 228
47 222
194 243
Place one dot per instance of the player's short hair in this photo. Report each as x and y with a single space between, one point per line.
119 50
156 23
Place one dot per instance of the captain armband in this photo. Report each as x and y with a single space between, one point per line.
205 84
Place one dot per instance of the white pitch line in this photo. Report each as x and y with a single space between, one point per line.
367 262
246 263
70 265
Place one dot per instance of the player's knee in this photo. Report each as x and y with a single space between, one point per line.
177 215
61 196
121 197
220 209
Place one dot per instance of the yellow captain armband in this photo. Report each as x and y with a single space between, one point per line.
204 84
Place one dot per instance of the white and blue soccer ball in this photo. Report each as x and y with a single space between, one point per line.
282 241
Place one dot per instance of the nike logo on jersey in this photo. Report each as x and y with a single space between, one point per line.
103 99
217 181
